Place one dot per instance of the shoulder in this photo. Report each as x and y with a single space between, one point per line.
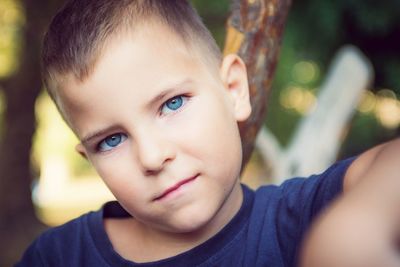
69 231
54 245
327 183
385 157
282 214
300 199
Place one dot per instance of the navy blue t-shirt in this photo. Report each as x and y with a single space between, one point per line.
266 231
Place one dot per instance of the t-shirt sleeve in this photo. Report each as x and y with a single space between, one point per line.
302 199
31 257
64 245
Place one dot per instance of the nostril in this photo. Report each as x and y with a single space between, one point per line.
149 172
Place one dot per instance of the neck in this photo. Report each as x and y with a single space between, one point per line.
157 244
221 218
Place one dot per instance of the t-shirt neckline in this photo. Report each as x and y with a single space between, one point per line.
195 256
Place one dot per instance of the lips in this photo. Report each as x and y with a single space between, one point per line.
174 187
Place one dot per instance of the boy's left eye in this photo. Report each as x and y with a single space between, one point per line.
110 142
173 104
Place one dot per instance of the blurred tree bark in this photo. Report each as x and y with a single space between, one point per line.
254 31
18 223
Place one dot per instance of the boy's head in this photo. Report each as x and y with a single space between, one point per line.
154 107
79 34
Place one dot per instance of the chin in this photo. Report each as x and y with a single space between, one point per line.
192 226
194 222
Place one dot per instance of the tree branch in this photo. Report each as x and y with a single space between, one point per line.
254 31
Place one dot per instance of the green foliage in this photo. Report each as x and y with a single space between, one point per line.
315 30
375 17
11 22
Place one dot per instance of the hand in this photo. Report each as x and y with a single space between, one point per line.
362 228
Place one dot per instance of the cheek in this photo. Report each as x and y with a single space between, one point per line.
118 173
123 182
209 131
216 127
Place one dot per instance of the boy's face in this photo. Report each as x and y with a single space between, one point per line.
161 129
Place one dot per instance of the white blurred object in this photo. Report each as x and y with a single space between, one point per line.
317 139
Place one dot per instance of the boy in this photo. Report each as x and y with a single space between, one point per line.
155 106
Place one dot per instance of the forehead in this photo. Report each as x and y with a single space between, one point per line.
146 40
146 49
153 57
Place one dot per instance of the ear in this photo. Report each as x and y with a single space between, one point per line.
234 77
81 150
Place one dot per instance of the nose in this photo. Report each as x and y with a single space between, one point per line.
154 151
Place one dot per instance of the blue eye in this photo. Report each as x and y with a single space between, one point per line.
173 104
111 142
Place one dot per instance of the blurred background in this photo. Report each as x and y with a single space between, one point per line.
37 150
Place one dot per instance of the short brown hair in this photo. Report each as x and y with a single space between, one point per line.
80 30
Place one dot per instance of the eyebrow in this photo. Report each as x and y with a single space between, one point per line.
170 88
160 96
89 138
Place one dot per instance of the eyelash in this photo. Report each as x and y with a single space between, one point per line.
182 98
103 142
123 137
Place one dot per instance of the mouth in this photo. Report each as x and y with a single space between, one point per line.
175 187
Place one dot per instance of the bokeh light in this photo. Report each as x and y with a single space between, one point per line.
305 72
387 109
11 21
67 185
297 98
368 102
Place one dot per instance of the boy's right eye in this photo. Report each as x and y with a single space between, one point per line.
111 142
173 104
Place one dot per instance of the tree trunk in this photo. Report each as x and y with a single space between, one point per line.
18 223
254 31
